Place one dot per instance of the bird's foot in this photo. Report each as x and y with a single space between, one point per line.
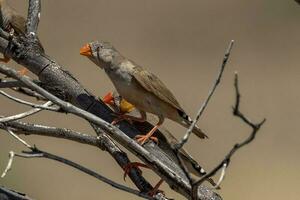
155 190
141 139
131 165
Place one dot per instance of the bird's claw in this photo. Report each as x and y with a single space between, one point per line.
141 139
131 165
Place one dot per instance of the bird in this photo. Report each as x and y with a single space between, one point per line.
139 87
15 24
120 105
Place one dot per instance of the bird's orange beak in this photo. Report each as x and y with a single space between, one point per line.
109 99
86 50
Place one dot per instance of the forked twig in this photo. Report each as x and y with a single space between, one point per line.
24 114
226 161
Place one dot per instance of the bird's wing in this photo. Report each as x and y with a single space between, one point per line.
153 85
18 23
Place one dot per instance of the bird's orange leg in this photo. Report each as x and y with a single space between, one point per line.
131 165
143 138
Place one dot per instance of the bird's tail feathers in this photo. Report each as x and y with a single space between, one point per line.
187 121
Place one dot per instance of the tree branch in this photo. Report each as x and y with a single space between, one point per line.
33 19
7 194
24 114
21 101
10 84
211 92
226 161
36 153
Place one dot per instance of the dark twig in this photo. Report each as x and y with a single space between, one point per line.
211 92
8 194
36 153
101 141
10 84
226 161
34 12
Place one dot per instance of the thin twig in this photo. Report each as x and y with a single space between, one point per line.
226 160
9 163
21 101
10 84
19 139
35 153
204 105
9 194
36 129
34 12
29 92
222 176
24 114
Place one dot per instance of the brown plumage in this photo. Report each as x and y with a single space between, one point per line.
11 21
138 86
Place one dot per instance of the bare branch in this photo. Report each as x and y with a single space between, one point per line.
226 160
11 156
19 139
8 194
222 176
29 92
37 129
35 153
211 92
101 142
28 103
33 19
10 84
24 114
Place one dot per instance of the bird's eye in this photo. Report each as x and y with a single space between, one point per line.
101 46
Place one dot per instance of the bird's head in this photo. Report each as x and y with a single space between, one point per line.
101 53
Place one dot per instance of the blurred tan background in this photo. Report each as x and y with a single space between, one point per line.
183 42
